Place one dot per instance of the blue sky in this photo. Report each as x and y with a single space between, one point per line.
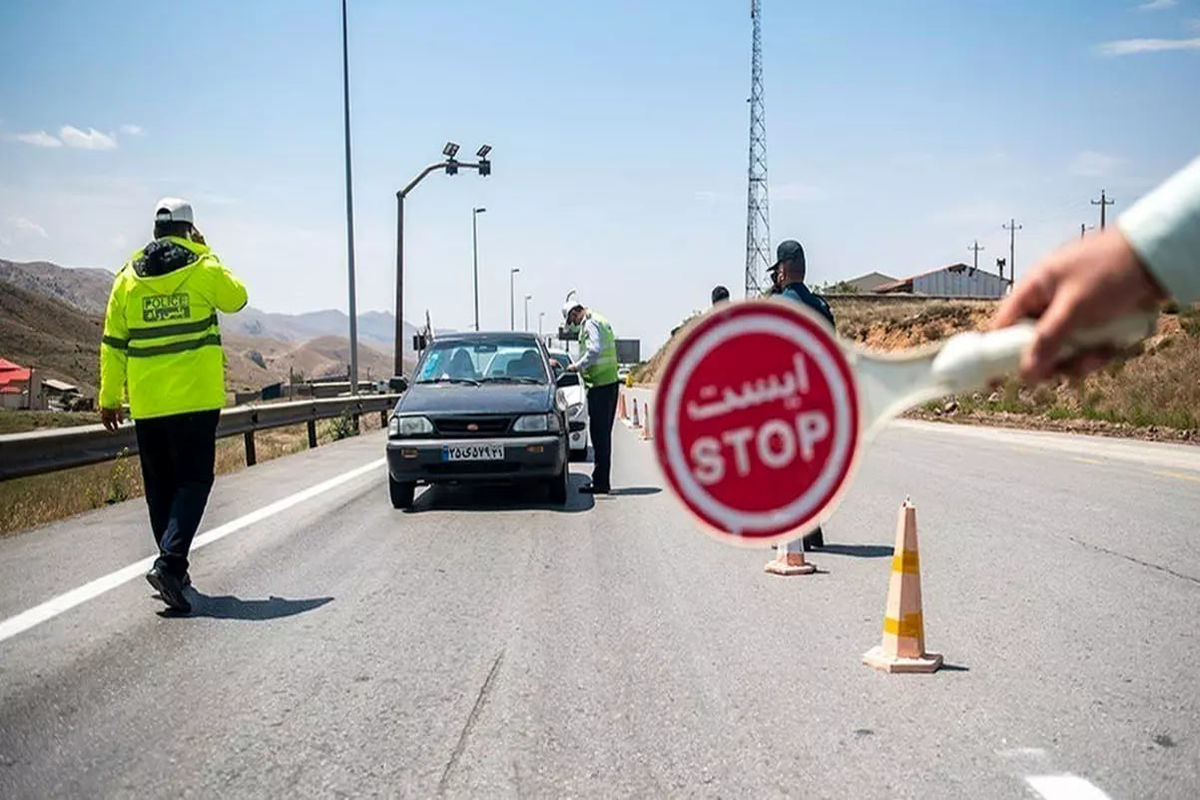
897 133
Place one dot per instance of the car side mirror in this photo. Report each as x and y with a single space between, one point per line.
567 379
398 384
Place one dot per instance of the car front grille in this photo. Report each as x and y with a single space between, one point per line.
472 426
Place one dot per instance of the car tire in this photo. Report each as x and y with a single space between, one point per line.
401 493
558 487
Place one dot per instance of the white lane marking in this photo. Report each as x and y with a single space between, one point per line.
68 600
1064 787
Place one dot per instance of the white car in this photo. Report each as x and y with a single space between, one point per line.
577 412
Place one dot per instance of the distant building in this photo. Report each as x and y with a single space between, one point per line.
956 280
14 385
869 282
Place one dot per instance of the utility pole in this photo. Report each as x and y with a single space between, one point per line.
758 225
475 212
1084 228
976 248
349 209
1012 227
512 298
1104 203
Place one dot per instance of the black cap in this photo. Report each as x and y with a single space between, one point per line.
789 250
719 293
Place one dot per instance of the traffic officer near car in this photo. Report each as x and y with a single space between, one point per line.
597 364
162 342
787 276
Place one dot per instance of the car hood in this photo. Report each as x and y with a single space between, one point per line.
451 398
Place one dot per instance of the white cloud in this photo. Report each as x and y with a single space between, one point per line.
1090 164
37 139
27 226
1158 5
1126 47
92 139
133 130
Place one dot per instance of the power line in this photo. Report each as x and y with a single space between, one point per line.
1012 227
976 248
1104 203
758 225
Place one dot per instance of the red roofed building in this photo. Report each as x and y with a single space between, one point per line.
14 385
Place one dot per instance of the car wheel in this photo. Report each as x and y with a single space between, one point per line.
558 487
401 493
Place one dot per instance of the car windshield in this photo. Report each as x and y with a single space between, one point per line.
485 361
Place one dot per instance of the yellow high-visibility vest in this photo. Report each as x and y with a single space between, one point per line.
161 336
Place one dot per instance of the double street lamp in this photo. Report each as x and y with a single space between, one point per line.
512 303
475 212
451 165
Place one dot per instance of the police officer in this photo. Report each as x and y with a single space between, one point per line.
787 277
597 364
162 343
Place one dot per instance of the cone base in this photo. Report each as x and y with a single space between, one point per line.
875 657
778 567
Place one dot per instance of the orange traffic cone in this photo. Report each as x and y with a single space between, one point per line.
622 411
634 422
646 434
903 647
789 560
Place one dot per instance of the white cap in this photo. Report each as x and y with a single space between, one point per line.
173 209
570 306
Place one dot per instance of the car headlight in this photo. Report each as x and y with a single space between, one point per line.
575 410
537 423
409 426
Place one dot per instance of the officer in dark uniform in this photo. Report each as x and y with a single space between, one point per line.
787 277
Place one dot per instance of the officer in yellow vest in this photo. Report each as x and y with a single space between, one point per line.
597 364
163 343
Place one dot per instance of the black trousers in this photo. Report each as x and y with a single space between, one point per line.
602 412
177 454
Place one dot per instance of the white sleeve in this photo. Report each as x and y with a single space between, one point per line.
1164 230
593 351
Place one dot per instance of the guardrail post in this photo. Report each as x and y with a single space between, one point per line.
356 430
383 419
251 457
312 433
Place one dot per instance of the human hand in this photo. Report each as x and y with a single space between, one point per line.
197 236
1083 284
111 418
572 368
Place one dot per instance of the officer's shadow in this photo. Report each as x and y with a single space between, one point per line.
230 607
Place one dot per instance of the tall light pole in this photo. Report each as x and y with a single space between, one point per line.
451 165
512 298
541 316
528 297
475 212
349 209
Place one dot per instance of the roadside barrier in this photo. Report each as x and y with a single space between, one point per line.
789 560
903 645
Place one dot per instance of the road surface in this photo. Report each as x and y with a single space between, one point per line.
487 644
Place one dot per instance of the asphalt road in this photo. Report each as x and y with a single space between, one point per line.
489 645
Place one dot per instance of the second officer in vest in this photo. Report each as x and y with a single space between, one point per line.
597 364
162 343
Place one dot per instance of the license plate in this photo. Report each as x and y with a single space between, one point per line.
473 452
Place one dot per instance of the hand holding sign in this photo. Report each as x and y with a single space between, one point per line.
762 413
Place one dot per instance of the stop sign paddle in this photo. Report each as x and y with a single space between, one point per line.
762 413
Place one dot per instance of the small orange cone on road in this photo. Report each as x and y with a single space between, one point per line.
789 560
634 422
622 411
646 434
903 646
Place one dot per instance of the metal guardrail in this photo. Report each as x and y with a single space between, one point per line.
43 451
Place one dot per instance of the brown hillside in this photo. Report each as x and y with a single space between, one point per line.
50 335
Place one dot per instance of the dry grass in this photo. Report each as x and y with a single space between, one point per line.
38 499
19 421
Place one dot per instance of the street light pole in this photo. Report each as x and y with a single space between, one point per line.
528 297
475 212
349 209
541 316
452 166
512 298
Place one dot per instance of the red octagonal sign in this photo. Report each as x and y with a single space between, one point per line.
757 421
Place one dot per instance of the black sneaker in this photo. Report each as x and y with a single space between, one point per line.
170 589
814 540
